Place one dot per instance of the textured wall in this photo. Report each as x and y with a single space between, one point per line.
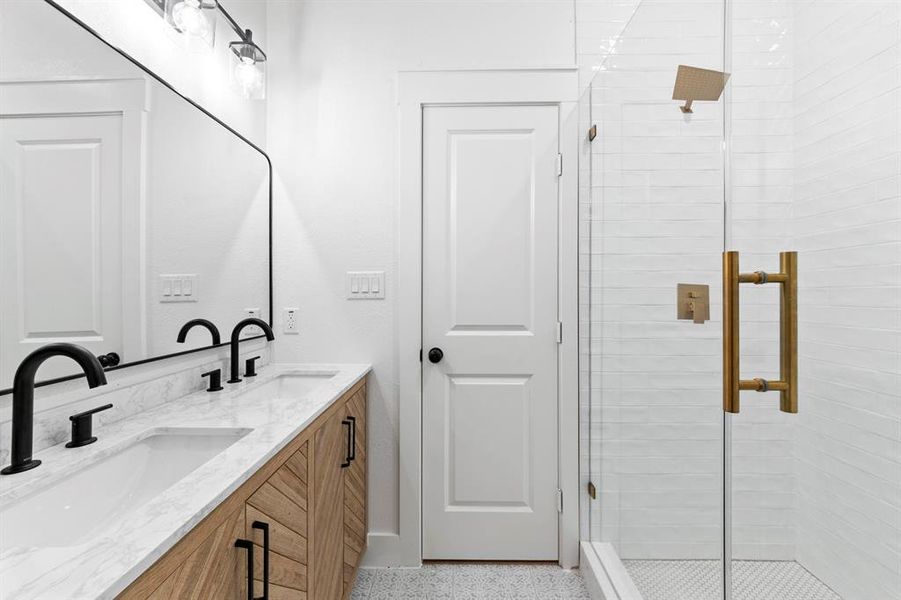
333 138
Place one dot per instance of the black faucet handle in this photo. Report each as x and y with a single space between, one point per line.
215 380
82 427
250 367
110 359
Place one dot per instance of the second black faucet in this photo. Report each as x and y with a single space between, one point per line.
236 333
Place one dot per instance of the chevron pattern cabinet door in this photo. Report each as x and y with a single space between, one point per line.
329 452
282 503
355 485
216 569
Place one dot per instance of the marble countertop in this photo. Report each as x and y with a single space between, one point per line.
107 562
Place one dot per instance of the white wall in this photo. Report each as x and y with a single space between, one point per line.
333 138
133 26
847 222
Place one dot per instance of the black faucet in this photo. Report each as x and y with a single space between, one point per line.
234 343
214 331
23 398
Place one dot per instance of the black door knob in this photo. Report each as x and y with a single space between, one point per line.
435 355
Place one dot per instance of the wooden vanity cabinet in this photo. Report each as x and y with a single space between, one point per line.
310 500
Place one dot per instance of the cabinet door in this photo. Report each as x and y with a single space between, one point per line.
355 484
330 450
216 569
281 503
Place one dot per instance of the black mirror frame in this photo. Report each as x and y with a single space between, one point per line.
216 119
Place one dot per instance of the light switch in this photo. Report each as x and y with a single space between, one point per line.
178 288
365 285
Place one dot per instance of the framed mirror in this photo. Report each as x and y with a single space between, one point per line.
126 209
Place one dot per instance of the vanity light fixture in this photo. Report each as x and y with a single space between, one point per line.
248 69
196 19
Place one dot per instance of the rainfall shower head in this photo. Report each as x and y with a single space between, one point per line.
693 84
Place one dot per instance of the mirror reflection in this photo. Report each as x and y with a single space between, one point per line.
125 211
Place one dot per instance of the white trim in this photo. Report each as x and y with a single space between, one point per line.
605 575
416 89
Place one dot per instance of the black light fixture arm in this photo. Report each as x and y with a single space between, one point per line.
244 35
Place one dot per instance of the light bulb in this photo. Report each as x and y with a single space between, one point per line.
188 17
248 77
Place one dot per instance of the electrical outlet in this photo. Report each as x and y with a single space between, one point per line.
289 320
253 330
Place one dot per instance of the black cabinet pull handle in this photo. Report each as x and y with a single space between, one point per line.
347 458
264 527
353 439
247 545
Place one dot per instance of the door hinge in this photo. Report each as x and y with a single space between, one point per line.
592 491
559 332
559 501
559 165
592 133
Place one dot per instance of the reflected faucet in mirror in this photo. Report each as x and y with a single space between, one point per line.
23 398
209 325
236 333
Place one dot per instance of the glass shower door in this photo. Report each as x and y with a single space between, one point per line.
657 187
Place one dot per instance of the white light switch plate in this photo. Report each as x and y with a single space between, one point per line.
365 285
178 288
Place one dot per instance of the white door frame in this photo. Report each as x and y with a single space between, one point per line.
529 86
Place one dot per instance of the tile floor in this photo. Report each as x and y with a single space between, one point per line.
471 581
751 580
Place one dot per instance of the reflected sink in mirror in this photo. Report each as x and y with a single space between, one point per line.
292 385
79 506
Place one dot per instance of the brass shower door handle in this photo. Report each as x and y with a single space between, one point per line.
787 385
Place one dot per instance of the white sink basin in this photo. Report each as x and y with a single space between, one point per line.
292 385
79 506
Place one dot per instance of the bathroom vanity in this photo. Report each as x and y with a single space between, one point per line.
297 526
255 491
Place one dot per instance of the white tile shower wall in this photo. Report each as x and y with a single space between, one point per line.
130 391
656 218
847 222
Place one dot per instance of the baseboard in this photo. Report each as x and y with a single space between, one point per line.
385 550
604 574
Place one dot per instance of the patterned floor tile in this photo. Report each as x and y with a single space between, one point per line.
471 581
751 580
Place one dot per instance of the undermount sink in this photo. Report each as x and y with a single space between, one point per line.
292 385
79 506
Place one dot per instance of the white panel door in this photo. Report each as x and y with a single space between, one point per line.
60 237
490 304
